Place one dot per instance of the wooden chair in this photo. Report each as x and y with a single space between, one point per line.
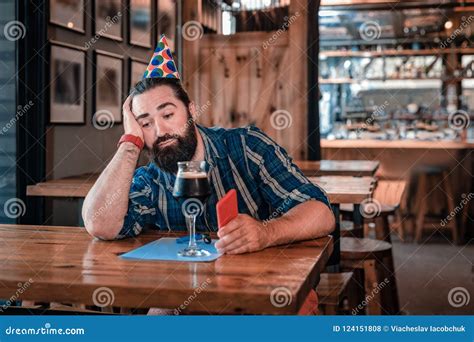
438 177
387 197
374 258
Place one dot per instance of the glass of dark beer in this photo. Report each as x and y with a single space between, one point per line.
192 189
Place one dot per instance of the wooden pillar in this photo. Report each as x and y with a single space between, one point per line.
299 12
313 141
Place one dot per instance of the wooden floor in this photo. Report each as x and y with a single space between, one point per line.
427 272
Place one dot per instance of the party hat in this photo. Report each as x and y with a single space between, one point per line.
161 63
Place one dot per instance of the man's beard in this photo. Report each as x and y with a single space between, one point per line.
182 149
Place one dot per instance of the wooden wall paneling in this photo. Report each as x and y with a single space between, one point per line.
272 58
219 113
205 96
255 83
242 83
283 101
244 39
230 63
231 85
249 82
190 72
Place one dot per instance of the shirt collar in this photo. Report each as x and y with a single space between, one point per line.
210 138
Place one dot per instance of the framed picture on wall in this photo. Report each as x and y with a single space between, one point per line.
137 68
108 90
67 84
167 21
108 19
67 13
140 23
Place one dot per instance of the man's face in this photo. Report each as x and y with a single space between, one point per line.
168 128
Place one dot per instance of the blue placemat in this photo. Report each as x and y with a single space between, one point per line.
167 249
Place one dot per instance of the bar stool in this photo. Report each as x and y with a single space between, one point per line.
348 230
381 221
440 177
374 258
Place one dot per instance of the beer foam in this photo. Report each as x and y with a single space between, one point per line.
190 174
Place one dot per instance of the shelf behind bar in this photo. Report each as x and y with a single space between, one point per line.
393 52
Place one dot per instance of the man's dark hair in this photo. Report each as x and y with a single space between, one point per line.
150 83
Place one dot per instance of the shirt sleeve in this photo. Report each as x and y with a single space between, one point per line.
141 210
281 182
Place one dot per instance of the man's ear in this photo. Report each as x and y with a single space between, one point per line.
193 110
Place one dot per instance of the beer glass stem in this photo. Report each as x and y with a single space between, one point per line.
191 223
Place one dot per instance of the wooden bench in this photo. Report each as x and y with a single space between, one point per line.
332 290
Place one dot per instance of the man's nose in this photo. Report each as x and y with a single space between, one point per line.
161 129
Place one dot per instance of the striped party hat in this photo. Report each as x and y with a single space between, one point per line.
162 63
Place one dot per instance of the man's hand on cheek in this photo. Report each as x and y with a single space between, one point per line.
242 235
130 124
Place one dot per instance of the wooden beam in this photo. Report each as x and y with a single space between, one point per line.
244 39
297 71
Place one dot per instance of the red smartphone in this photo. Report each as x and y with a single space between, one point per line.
227 208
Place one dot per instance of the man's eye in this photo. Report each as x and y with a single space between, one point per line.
146 124
167 116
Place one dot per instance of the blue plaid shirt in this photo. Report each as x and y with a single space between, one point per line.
268 184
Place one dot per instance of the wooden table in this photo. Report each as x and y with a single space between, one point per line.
343 189
74 186
71 187
66 265
340 189
338 167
